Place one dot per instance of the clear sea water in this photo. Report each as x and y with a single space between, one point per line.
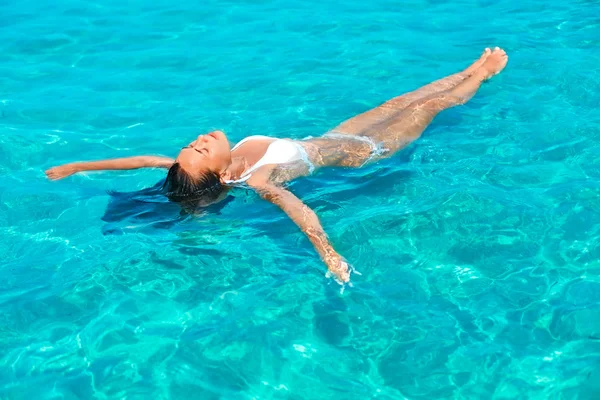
478 245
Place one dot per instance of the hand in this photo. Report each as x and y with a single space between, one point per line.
62 171
339 268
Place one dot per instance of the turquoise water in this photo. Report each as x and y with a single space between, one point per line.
478 245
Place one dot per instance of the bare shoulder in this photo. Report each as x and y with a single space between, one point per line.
265 188
261 177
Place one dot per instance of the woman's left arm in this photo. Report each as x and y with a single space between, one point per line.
309 223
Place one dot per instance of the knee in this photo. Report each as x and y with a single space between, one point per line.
440 101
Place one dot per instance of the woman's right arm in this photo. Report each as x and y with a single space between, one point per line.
65 170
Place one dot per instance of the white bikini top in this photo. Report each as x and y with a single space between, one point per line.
280 151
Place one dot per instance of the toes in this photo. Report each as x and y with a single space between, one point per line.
498 50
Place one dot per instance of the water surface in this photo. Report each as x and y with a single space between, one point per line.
478 245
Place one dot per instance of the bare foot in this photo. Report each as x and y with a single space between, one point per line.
478 63
60 172
494 63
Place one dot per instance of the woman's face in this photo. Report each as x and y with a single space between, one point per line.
210 151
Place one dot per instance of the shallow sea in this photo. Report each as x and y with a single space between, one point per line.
478 245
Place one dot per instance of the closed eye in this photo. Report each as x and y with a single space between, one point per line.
201 151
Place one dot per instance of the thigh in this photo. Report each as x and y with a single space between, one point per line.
406 126
360 123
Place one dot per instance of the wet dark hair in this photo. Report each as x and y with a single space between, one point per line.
182 187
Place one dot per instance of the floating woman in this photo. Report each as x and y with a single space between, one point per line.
207 168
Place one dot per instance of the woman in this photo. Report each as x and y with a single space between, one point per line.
207 168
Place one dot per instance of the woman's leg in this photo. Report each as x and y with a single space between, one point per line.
398 131
357 125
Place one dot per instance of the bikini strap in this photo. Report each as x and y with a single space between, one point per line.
237 181
244 140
